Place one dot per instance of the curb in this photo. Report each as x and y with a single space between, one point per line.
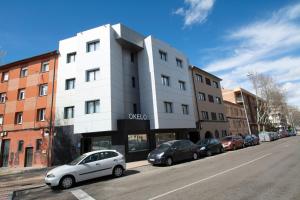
138 166
12 194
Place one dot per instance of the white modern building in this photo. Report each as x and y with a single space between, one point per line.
120 89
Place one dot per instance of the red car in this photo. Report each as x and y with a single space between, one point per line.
232 142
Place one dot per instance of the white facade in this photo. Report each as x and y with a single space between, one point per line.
129 72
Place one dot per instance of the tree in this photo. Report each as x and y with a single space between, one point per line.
270 99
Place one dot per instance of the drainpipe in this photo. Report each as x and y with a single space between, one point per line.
246 112
51 132
195 94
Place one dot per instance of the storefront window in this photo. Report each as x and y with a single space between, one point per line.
138 142
101 143
164 137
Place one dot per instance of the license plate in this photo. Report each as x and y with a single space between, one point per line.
151 159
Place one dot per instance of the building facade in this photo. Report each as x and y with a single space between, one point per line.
27 102
119 89
248 101
209 105
236 116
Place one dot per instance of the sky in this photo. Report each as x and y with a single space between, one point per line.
228 38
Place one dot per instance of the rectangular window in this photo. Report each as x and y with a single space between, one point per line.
2 97
201 96
19 118
199 77
133 82
210 98
41 114
92 46
5 76
71 57
101 143
179 62
164 137
185 109
92 75
218 100
134 108
132 57
92 106
168 107
1 119
181 85
43 89
24 72
21 94
165 80
69 112
137 142
205 115
163 55
20 145
215 84
45 66
213 116
207 80
39 143
70 84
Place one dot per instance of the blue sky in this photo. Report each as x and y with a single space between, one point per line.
226 37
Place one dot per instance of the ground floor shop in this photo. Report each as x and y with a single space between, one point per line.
25 148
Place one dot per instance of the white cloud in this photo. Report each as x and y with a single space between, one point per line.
195 11
266 46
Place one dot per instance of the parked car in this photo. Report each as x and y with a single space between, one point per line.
292 133
265 137
173 151
232 142
284 133
87 166
248 141
209 147
255 139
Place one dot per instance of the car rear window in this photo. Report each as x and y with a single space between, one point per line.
227 139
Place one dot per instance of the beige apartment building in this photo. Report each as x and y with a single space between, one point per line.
209 106
236 116
247 100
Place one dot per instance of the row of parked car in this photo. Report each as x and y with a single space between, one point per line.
271 136
178 150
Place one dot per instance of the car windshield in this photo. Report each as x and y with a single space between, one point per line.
163 147
227 139
203 142
78 159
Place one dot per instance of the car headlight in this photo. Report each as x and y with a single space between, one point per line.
160 155
202 148
50 175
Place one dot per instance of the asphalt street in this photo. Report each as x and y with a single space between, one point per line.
270 171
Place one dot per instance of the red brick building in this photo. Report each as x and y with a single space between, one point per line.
27 106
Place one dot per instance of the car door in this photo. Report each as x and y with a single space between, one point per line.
187 149
108 160
89 168
214 145
178 153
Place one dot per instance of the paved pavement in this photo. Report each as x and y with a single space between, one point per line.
270 171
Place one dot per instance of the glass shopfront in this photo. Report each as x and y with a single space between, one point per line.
138 142
101 143
164 137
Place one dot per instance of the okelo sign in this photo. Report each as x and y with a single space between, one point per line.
137 116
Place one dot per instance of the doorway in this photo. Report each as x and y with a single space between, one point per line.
5 153
28 156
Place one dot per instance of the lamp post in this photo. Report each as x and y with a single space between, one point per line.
254 78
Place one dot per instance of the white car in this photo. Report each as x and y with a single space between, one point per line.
87 166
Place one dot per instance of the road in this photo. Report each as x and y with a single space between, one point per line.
270 171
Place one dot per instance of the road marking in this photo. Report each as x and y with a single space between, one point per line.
210 177
81 195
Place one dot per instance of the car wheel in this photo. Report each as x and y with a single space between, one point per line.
208 153
234 148
169 161
66 182
195 156
221 150
118 171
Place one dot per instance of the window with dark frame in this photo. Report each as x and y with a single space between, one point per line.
41 114
19 118
221 117
163 55
213 116
201 96
43 89
2 97
215 84
168 107
70 84
208 82
69 112
20 145
92 75
182 85
45 66
24 72
71 57
199 77
5 76
21 94
179 62
165 80
1 119
39 143
205 115
92 107
92 46
133 81
185 109
210 98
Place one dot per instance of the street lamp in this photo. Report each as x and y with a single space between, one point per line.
254 78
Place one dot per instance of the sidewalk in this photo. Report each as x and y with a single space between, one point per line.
12 179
